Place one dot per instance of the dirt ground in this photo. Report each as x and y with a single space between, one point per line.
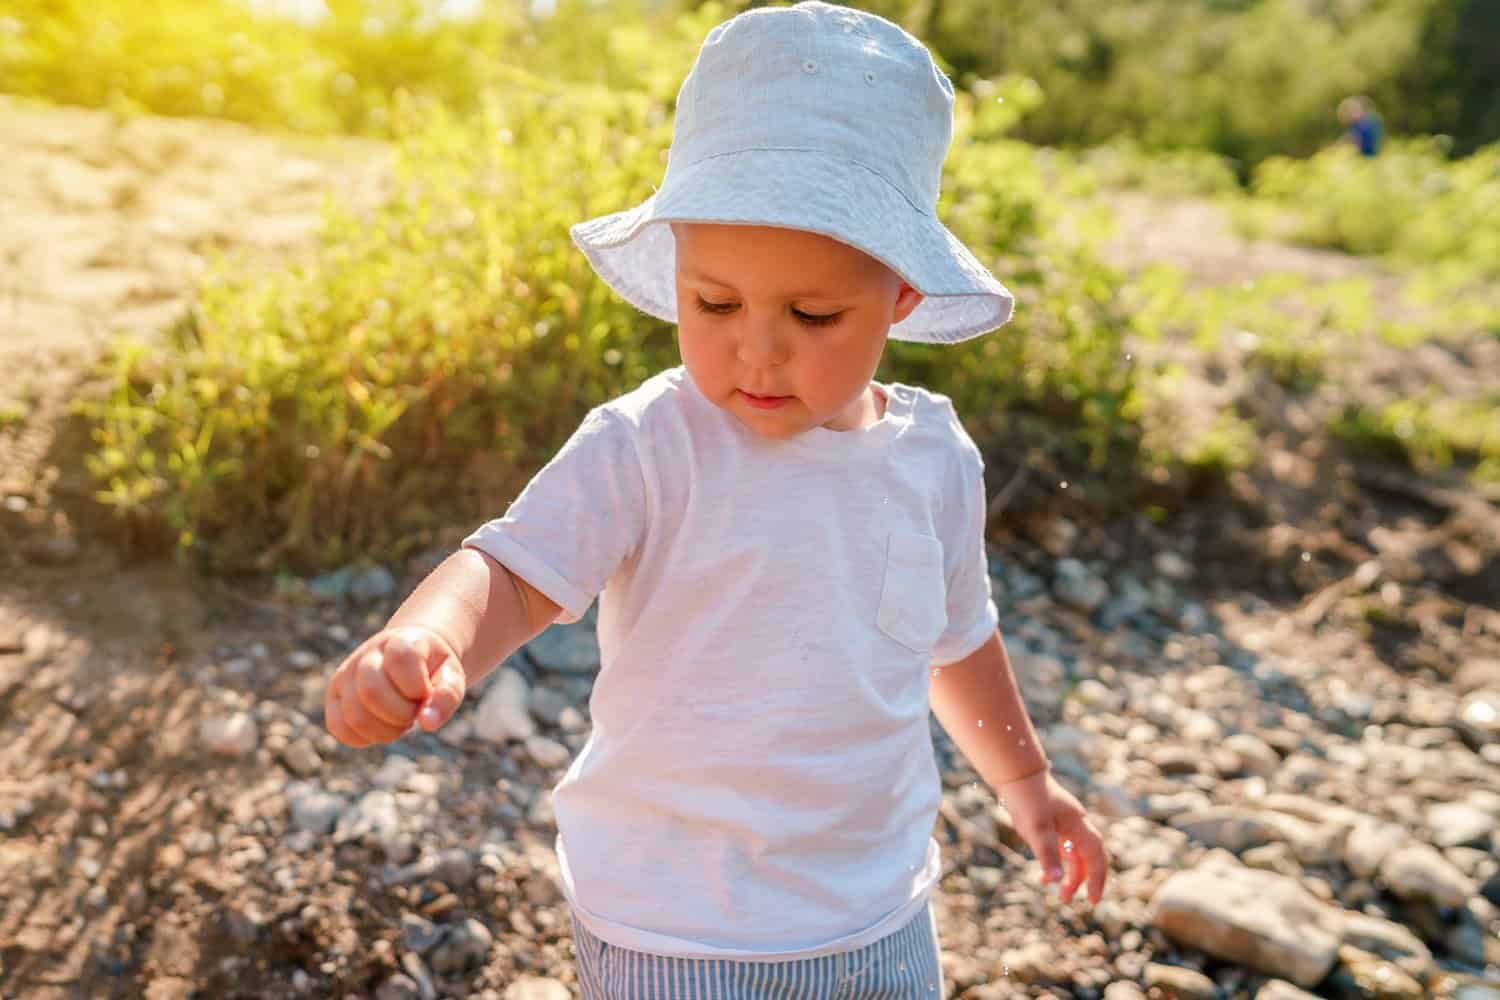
134 864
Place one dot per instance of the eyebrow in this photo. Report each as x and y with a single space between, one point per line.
810 293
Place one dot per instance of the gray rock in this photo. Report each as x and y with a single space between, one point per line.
1275 857
1193 617
1173 760
399 987
1179 982
467 946
1023 585
374 820
417 970
548 704
567 649
1236 829
1056 535
244 925
546 753
1078 588
1479 716
394 771
502 715
1163 808
232 735
1372 976
1259 919
314 809
454 867
1254 753
1458 824
1491 889
536 988
1417 872
15 813
1477 675
1131 600
1098 696
372 584
1468 942
1172 566
1280 989
1041 679
1390 941
419 934
1370 843
303 659
302 758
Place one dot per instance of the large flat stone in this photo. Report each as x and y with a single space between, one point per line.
1256 918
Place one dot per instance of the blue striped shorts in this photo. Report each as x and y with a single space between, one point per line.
903 965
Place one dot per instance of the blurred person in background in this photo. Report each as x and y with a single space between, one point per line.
1362 126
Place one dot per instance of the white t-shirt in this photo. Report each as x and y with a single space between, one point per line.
760 781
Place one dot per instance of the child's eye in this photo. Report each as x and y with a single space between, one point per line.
714 308
811 319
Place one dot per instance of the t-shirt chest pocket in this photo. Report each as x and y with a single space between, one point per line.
913 603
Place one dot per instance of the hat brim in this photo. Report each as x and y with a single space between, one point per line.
634 252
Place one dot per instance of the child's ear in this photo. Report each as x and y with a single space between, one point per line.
907 299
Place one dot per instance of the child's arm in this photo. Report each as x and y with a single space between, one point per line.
979 703
468 615
567 533
479 608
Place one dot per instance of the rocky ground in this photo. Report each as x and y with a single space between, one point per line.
1283 704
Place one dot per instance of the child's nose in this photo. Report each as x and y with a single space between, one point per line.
760 345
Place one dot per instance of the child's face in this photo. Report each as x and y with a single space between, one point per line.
783 328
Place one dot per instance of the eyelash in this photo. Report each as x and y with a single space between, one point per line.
806 319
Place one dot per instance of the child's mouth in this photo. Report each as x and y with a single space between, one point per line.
764 402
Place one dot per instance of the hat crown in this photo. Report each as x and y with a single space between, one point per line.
821 78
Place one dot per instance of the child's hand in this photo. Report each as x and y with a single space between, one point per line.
395 678
1057 829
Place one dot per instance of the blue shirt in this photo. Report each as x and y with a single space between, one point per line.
1365 133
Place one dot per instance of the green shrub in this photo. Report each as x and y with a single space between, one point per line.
214 58
1410 203
1125 164
433 355
1428 432
423 361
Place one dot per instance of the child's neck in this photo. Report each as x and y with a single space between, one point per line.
871 408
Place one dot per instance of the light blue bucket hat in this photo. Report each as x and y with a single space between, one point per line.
813 117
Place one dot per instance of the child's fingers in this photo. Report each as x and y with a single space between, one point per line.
333 717
1048 853
447 694
1098 860
366 726
378 694
1077 872
405 656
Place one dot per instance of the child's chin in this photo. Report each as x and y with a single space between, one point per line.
771 426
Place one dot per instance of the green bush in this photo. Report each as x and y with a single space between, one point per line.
1241 79
421 363
1429 432
214 58
1410 203
1125 164
434 354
